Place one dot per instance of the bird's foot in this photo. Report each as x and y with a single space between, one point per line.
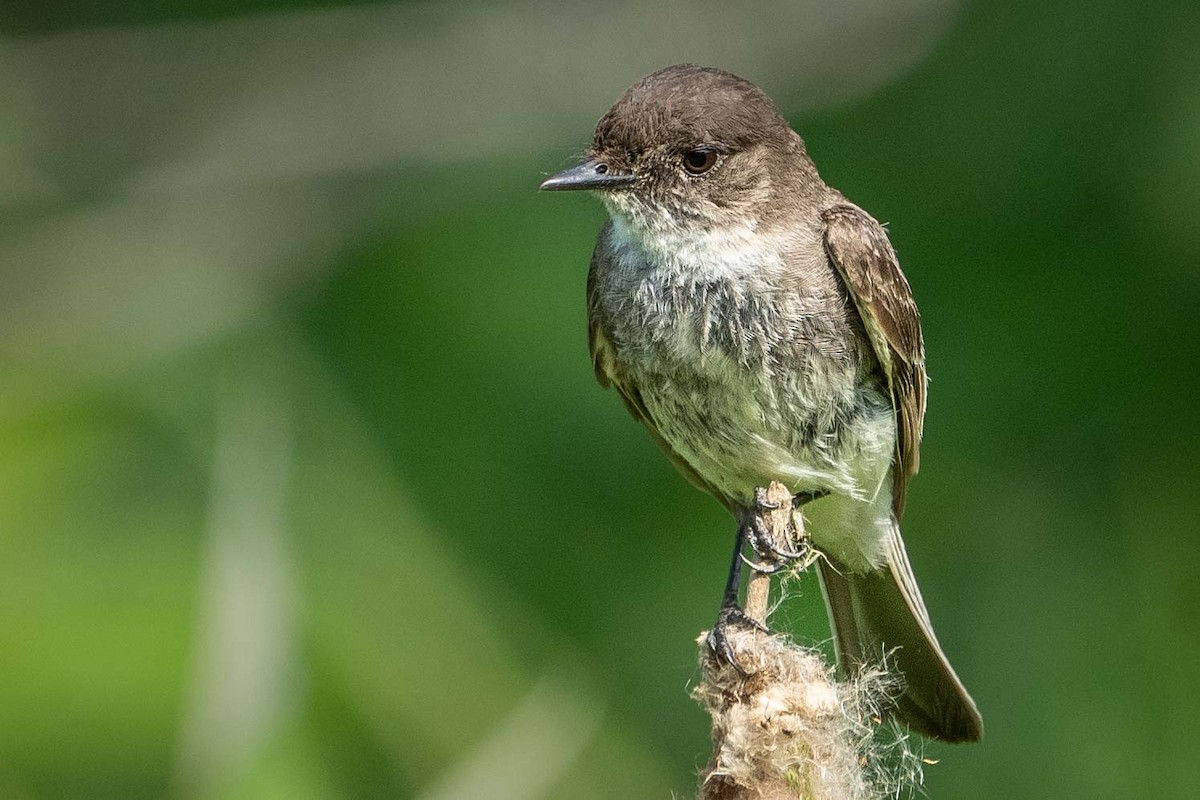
773 554
772 557
729 617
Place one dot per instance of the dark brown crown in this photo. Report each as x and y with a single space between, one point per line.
685 106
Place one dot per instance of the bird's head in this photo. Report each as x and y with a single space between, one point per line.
689 146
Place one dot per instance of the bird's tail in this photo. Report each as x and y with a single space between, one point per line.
880 612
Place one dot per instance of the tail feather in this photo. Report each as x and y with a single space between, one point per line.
882 612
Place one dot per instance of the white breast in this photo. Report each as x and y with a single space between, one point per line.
704 252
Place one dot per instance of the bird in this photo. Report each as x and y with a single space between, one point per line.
758 324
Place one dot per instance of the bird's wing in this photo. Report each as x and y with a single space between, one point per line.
611 371
860 251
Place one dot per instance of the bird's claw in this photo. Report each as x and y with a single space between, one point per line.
766 567
762 503
772 557
718 638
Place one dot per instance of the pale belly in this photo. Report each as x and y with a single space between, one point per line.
742 431
740 428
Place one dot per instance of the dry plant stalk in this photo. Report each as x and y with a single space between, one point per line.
777 520
786 729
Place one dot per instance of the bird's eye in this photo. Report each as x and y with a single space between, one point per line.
698 162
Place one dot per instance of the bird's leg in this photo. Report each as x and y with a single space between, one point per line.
804 498
730 614
758 525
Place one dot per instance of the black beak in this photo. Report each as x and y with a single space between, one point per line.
591 174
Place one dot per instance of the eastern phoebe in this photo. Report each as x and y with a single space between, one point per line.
758 324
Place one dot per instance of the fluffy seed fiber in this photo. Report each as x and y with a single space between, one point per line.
787 729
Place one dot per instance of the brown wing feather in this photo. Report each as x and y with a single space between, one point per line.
859 249
610 371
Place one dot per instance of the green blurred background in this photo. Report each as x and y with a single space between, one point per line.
306 489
